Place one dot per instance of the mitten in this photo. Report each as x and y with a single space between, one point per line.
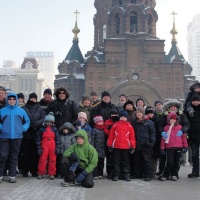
57 151
39 151
131 150
110 149
74 166
185 149
149 144
179 133
81 176
164 135
162 152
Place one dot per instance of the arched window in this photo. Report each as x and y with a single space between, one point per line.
133 22
117 24
120 2
74 70
133 1
150 25
104 32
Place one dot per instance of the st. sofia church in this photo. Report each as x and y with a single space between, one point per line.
127 56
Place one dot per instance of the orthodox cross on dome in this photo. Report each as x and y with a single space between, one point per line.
76 30
173 31
76 13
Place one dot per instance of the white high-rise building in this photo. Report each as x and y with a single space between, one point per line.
193 38
47 64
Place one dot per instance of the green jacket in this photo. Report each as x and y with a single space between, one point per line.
86 153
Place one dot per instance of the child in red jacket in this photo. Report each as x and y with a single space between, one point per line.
122 141
172 145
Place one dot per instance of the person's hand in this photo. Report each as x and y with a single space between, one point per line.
185 149
149 144
164 135
57 151
74 166
162 152
131 150
110 149
179 133
81 176
39 151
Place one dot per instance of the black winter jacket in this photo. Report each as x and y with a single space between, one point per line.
36 115
64 111
145 133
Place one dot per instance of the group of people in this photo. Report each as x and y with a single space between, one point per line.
64 139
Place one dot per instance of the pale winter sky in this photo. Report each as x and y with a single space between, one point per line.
45 25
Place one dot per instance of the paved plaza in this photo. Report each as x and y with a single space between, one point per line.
45 189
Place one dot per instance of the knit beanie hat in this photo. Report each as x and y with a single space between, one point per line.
140 109
85 97
83 115
158 101
32 95
123 113
2 88
114 112
140 99
171 116
93 93
98 118
149 110
20 95
47 91
195 97
50 117
105 93
128 102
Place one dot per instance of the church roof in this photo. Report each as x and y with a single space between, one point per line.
174 52
75 53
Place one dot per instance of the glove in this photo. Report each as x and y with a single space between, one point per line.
179 133
81 176
164 135
110 149
149 144
39 152
162 152
131 150
185 149
74 166
57 151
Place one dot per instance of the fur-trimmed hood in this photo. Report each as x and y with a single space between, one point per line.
194 85
170 103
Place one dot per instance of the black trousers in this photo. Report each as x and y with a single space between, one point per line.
98 170
30 156
142 163
172 166
59 170
69 176
9 150
162 161
121 162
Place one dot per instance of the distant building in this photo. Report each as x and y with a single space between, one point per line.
47 63
193 38
29 78
127 56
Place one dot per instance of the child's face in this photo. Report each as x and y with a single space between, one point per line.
80 140
172 121
150 115
195 103
65 131
123 118
82 120
197 89
139 115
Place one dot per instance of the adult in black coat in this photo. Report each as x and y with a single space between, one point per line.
194 134
28 153
64 110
